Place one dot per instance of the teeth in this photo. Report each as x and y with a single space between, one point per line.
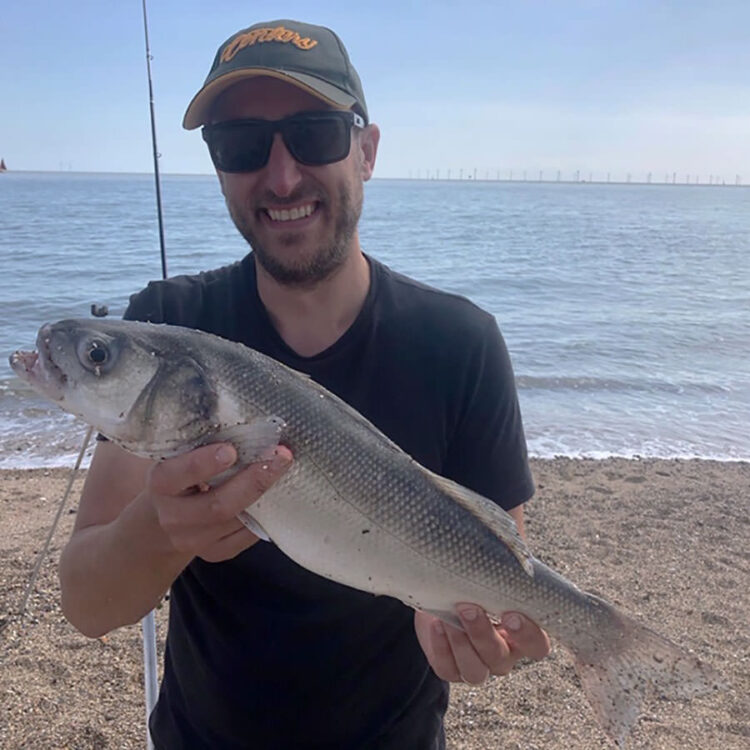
298 212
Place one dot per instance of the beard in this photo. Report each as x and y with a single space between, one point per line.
308 267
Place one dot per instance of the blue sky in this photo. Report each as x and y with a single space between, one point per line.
594 86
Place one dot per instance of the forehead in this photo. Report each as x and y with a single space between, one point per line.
264 97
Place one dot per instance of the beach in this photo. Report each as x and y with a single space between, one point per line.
668 541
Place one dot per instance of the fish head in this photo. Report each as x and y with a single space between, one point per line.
130 381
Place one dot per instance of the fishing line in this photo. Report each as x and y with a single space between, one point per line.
43 553
101 311
148 623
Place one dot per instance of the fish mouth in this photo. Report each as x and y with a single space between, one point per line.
38 369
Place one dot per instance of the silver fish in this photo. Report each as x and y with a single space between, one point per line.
353 507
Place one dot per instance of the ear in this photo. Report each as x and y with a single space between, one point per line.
368 144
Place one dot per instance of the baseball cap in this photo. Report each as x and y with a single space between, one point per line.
310 57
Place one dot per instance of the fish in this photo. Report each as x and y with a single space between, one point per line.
353 507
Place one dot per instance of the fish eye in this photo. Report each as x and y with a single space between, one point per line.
97 353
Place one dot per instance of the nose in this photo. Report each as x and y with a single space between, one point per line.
282 171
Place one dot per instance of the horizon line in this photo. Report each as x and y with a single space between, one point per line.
468 179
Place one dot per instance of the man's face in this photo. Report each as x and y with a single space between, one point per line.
326 201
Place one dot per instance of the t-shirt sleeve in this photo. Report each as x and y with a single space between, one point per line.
147 305
487 451
191 301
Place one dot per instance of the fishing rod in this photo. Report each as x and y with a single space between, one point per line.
148 624
156 153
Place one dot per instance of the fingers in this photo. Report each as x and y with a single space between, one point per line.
434 642
478 649
202 520
481 649
175 475
525 638
469 664
247 486
480 643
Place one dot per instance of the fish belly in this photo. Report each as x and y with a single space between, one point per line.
325 533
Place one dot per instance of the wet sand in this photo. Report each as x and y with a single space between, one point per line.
668 541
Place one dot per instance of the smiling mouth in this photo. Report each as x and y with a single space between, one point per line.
283 215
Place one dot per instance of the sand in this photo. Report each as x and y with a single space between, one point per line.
668 541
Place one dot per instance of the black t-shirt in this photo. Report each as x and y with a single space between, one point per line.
262 653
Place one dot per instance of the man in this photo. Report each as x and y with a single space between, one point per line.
260 652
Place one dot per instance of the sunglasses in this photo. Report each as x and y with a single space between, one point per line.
312 138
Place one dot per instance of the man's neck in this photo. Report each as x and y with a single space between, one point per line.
312 319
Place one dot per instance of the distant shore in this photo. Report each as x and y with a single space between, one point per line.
666 540
529 180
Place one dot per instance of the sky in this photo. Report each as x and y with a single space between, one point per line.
580 87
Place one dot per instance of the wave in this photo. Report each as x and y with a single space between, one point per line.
665 452
45 458
54 439
593 384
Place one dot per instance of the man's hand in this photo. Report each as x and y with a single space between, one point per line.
200 520
483 649
139 523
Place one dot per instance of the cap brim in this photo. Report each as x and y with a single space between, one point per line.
198 110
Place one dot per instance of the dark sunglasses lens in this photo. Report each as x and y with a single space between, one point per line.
319 140
243 147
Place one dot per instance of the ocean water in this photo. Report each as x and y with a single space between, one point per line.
626 308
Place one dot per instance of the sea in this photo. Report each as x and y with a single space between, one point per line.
625 308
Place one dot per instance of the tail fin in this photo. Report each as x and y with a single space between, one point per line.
617 680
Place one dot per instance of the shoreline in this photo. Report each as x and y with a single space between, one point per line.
667 540
64 460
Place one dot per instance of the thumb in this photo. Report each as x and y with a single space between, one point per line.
173 476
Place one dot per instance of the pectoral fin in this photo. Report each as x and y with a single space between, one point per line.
250 523
255 440
450 617
492 516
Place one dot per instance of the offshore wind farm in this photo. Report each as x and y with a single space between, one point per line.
576 177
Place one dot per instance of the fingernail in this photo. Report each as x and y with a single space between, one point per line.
438 627
512 622
468 613
225 455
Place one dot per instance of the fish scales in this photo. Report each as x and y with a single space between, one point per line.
390 493
353 507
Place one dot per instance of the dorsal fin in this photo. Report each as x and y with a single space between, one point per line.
500 522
